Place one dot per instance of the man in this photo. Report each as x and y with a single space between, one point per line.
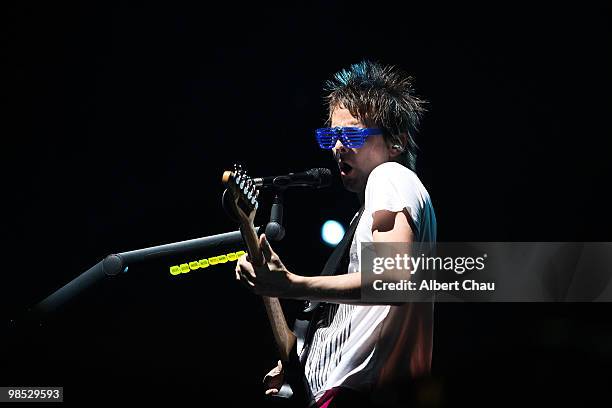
363 353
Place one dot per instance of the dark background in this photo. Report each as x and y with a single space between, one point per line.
120 120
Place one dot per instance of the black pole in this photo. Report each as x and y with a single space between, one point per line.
115 264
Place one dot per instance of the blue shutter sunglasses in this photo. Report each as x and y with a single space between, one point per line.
350 137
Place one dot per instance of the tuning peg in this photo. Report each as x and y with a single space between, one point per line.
254 195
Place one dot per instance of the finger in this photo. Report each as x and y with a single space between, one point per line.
266 249
250 286
248 274
245 269
243 276
247 279
271 391
280 365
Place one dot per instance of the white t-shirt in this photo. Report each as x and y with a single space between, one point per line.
365 347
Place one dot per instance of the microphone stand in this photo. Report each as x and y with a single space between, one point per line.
115 265
275 229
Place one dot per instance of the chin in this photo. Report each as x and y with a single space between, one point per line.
351 184
350 188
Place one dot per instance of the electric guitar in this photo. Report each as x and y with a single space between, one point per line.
244 204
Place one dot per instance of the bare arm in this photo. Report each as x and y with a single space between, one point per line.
387 226
276 280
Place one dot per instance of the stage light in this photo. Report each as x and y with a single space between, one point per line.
332 232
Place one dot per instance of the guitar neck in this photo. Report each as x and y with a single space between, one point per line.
283 336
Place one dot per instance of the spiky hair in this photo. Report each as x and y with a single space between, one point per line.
379 96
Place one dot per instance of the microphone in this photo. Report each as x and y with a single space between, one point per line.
315 178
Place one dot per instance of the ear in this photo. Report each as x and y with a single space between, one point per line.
395 149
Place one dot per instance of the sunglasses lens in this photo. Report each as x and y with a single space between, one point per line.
352 141
352 131
326 141
351 137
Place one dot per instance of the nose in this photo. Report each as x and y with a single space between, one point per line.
339 147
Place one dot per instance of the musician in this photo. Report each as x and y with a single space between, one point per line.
363 354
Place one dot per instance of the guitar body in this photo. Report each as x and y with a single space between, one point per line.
295 387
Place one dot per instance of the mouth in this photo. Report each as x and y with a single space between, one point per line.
345 168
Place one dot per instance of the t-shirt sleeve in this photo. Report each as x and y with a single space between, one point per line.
393 188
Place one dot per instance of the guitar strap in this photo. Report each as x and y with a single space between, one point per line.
337 264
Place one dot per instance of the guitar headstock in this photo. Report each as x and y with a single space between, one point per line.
244 193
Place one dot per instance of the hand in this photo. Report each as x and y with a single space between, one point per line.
270 279
273 381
